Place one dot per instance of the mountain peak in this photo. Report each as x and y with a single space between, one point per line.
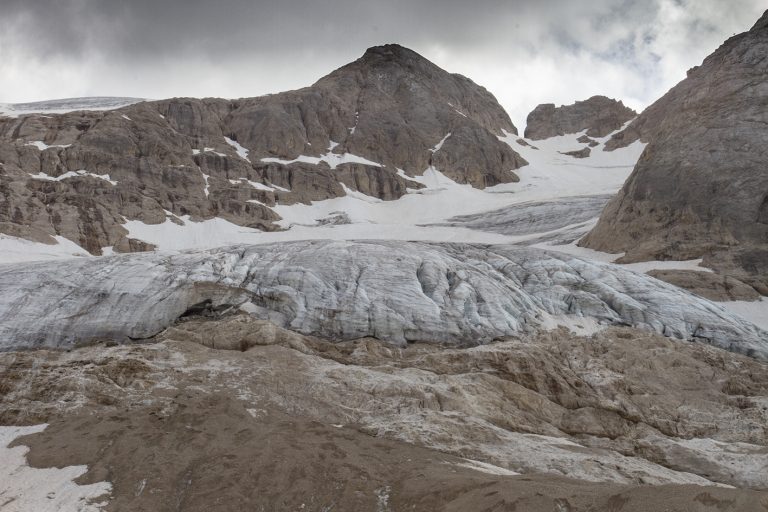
388 57
394 54
390 50
416 88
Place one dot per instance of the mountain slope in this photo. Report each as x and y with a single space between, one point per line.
700 189
366 127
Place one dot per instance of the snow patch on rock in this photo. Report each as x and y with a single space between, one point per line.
16 250
73 174
241 151
332 159
439 144
42 146
63 106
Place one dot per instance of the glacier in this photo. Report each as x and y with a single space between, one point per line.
399 292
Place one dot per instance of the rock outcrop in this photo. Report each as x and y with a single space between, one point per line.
588 141
598 115
394 291
367 126
578 153
700 189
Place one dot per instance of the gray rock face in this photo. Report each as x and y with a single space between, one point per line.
394 291
388 110
701 186
398 88
598 115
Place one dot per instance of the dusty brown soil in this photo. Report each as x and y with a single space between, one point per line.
280 420
207 453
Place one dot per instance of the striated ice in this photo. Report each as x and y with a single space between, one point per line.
395 291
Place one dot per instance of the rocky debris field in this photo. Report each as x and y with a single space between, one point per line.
237 412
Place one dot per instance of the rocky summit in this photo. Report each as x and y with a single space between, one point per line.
368 127
700 189
598 116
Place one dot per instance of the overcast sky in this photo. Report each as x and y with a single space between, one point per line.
524 52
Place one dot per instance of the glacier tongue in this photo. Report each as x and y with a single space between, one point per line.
396 291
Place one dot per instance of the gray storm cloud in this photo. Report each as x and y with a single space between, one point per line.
524 52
